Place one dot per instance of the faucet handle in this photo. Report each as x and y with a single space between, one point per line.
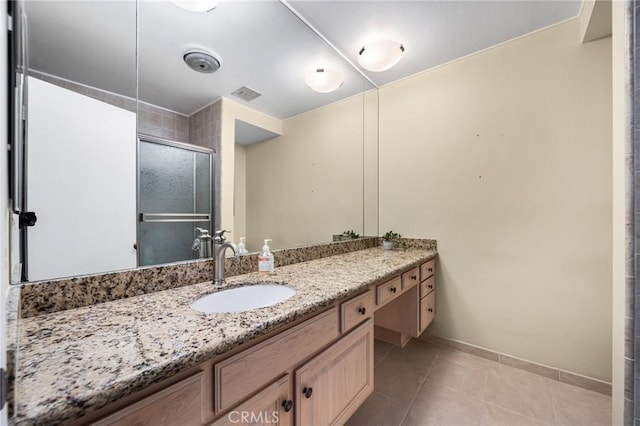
219 234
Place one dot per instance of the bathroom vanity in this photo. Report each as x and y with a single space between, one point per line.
152 359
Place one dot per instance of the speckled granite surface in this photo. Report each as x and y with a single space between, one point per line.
75 361
45 297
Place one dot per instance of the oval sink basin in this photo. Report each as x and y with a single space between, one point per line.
244 298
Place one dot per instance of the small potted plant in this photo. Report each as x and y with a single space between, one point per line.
350 235
389 238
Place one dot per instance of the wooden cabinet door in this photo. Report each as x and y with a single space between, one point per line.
273 406
427 310
239 376
331 387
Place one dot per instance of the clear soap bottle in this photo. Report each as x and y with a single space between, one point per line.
265 260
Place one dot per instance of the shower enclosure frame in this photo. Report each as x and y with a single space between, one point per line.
142 137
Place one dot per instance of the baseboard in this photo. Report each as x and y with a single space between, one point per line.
549 372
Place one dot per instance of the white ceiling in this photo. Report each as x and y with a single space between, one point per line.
262 45
432 32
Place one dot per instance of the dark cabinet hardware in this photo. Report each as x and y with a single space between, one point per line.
307 392
362 310
287 404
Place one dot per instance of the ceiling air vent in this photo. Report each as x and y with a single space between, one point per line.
246 94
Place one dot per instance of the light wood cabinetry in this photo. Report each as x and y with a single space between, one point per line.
427 269
356 310
427 286
427 294
316 372
388 291
411 311
272 406
179 404
427 310
239 376
331 386
410 278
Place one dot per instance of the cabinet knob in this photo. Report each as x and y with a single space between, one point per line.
414 277
307 392
430 269
362 310
430 310
393 289
430 285
287 404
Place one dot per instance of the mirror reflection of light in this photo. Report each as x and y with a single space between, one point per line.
380 55
196 5
323 80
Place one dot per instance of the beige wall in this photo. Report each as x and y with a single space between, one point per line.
307 184
232 111
240 191
505 158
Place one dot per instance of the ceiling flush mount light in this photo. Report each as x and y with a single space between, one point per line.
197 5
323 80
380 55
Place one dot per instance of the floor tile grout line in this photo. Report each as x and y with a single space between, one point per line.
424 380
553 404
511 410
495 404
518 414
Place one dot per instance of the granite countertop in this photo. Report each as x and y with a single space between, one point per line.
76 361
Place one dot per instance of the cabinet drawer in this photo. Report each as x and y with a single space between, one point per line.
239 376
427 310
268 407
427 286
356 310
427 269
180 403
410 278
388 291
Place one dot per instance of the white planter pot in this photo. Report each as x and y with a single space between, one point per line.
388 245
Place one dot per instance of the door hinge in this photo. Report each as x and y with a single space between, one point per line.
4 385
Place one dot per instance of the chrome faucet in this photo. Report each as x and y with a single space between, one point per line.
219 249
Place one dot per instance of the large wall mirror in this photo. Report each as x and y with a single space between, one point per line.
147 121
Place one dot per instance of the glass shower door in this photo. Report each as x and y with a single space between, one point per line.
174 199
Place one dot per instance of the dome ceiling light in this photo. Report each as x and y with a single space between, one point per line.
196 5
323 80
380 55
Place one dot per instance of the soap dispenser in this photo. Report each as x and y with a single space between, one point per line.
242 249
265 259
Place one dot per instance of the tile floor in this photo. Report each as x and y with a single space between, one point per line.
424 384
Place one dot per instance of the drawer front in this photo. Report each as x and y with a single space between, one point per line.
268 407
180 403
427 269
427 310
410 278
356 310
388 291
239 376
427 286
